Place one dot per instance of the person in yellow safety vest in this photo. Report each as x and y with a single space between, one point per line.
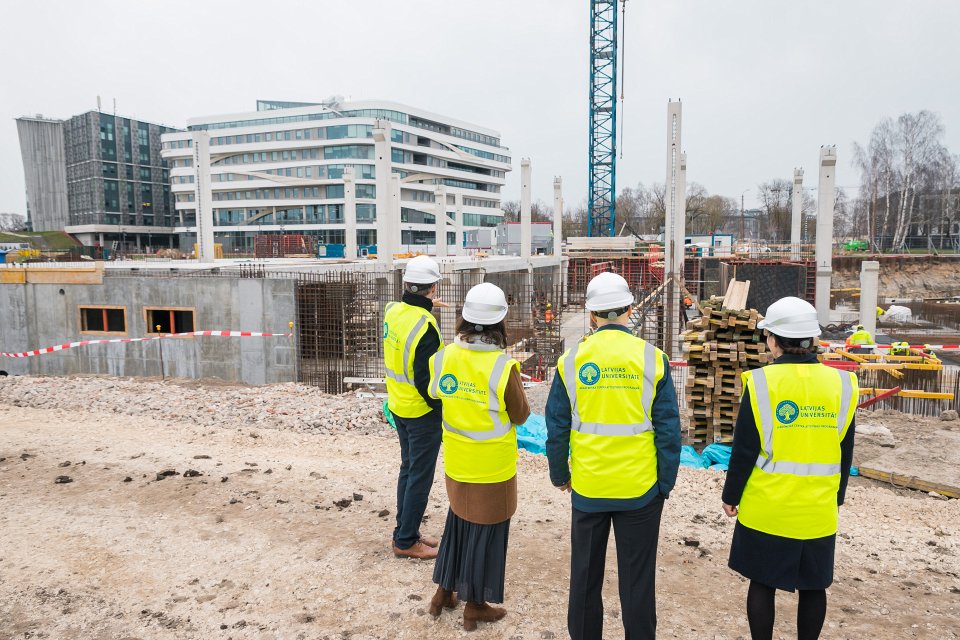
410 338
483 398
900 349
613 441
860 337
788 470
880 312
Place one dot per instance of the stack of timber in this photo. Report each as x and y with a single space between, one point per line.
719 346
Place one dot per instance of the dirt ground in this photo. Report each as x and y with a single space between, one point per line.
255 546
908 280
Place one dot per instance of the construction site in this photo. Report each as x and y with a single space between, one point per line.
197 444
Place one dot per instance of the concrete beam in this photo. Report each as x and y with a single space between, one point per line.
349 214
869 286
526 230
674 233
796 220
826 197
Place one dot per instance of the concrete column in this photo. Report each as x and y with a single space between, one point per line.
458 223
796 221
383 166
674 233
869 286
526 231
558 216
349 214
825 202
440 213
203 196
394 235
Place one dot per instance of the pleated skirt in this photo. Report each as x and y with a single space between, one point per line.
472 559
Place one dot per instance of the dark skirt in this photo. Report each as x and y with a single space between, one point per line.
472 559
782 563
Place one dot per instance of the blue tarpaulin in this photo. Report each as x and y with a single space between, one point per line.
532 435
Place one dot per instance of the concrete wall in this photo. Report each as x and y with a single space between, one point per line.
45 172
40 315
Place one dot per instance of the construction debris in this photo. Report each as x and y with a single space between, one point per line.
720 346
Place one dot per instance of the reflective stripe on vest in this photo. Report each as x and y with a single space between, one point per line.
403 377
603 428
765 408
500 428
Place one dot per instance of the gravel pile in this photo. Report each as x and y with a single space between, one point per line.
280 406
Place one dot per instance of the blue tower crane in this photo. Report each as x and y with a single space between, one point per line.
603 118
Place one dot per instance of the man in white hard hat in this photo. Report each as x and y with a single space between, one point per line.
410 338
788 470
614 408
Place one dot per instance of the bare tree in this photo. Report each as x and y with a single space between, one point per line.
903 159
776 208
12 222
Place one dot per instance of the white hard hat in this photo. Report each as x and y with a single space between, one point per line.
485 304
422 270
791 318
608 291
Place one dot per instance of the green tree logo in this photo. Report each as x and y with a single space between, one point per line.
589 374
787 411
449 384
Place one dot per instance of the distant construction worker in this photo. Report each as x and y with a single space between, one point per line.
410 338
859 338
548 318
483 399
792 449
613 409
900 349
880 312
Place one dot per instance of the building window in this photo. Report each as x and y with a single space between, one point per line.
101 320
169 319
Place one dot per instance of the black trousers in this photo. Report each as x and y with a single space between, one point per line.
419 445
637 533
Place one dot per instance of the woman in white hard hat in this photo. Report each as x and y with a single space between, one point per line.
483 399
792 449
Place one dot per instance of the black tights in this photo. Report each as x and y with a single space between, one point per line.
811 612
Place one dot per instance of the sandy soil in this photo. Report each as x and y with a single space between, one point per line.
256 548
910 280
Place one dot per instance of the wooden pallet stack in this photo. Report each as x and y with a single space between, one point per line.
719 346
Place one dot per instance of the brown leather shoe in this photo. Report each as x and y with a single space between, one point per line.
442 599
419 551
430 541
476 612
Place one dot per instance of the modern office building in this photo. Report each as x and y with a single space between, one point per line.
280 169
99 177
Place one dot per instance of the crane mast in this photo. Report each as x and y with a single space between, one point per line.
603 118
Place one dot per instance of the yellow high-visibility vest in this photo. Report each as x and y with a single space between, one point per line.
403 326
479 442
802 412
611 379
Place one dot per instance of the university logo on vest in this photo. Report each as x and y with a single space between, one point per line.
589 374
449 384
787 411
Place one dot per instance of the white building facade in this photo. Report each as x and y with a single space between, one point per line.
280 170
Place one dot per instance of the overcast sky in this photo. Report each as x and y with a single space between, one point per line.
764 83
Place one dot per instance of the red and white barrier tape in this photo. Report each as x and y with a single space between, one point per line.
84 343
935 347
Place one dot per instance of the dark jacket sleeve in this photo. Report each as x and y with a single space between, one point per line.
665 415
429 344
743 456
558 432
846 459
